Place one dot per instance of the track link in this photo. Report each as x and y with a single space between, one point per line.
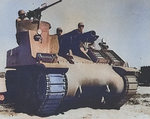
55 92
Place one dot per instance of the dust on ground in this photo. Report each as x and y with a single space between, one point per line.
138 107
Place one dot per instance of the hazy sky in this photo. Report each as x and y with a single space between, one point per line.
125 24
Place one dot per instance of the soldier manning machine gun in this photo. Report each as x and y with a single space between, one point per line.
48 75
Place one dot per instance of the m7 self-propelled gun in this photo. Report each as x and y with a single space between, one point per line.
45 71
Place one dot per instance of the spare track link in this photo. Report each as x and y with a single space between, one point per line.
55 92
129 89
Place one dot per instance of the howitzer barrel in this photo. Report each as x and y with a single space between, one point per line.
72 41
69 38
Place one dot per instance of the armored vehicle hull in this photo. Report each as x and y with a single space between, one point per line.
46 73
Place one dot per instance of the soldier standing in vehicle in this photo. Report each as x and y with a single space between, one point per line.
22 16
103 44
78 31
80 27
59 31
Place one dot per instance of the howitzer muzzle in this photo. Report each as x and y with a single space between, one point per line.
87 37
92 33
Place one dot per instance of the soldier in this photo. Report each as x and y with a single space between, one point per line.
80 27
103 44
78 31
59 31
22 16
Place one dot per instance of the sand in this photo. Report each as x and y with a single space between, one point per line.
137 108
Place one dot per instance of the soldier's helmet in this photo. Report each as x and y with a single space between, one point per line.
103 41
80 24
21 12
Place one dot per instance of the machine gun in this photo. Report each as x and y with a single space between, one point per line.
36 14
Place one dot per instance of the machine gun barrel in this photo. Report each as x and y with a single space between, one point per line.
36 14
50 5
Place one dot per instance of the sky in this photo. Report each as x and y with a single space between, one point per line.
125 24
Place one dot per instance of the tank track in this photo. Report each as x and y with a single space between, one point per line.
130 88
55 92
35 92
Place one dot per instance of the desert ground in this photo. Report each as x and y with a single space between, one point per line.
138 107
